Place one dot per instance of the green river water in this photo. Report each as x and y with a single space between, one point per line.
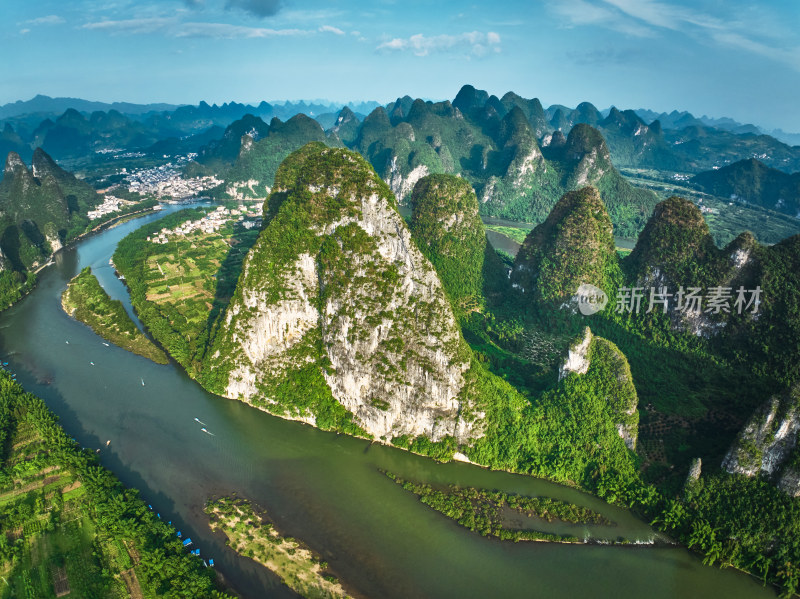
323 488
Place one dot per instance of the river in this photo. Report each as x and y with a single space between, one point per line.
323 488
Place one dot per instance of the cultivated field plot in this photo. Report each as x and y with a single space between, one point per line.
50 546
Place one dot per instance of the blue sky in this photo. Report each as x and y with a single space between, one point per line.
715 57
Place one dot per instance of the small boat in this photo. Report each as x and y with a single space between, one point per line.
67 342
106 344
92 363
200 421
206 431
142 382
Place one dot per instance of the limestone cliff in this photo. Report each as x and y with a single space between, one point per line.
522 169
767 444
337 307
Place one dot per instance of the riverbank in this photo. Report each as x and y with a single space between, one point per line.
325 489
85 300
29 285
71 528
512 517
252 535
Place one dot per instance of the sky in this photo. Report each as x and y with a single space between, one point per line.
714 57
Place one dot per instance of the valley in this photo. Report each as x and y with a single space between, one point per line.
293 461
420 305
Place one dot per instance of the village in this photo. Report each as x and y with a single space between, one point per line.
249 216
166 182
110 204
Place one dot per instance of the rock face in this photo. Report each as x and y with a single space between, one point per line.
574 246
616 384
577 356
524 170
588 153
695 470
446 226
402 184
768 443
336 287
346 126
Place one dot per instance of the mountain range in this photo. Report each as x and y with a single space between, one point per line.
752 182
349 318
42 208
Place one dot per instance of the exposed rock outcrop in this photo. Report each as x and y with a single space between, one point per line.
402 184
577 356
695 470
768 442
336 287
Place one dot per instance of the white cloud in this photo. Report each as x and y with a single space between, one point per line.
226 31
331 29
643 18
173 27
476 42
47 20
578 13
787 56
142 25
661 14
24 31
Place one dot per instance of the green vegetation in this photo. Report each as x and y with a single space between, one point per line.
501 159
43 211
70 525
752 182
39 214
249 166
569 433
337 276
726 218
647 396
85 300
488 512
741 522
516 233
179 288
14 286
574 246
249 534
447 228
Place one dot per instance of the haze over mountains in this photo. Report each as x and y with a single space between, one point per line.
518 156
27 124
